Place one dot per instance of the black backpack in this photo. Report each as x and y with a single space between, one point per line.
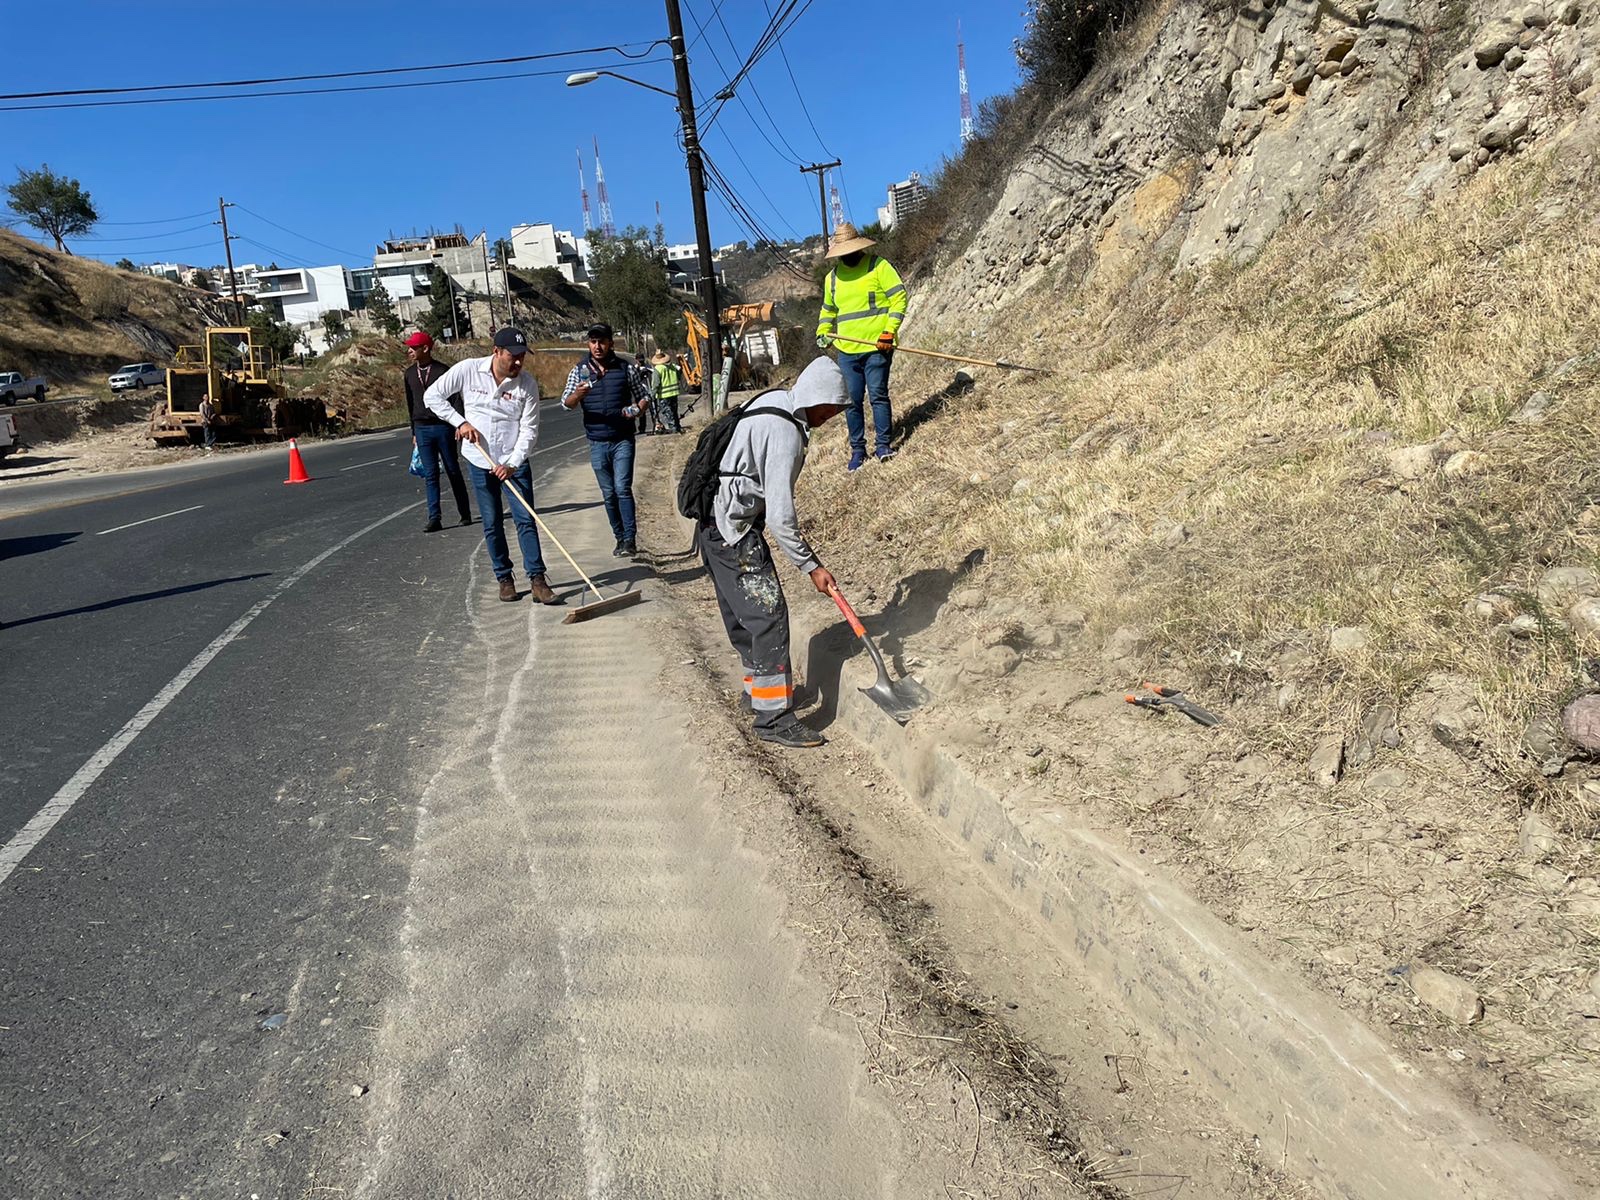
697 487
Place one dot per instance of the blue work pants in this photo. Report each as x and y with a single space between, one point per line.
613 469
867 375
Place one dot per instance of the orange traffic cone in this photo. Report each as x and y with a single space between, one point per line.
297 465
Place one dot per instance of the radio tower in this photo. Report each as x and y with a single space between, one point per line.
838 209
608 224
966 100
583 188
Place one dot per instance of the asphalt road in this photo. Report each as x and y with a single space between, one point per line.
321 868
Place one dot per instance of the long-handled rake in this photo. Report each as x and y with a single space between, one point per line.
602 603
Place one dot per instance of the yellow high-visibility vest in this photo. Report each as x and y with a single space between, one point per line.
668 382
861 302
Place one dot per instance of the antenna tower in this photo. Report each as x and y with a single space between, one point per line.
838 208
583 188
966 99
608 224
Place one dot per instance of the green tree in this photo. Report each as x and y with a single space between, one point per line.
502 251
126 264
52 203
333 324
442 311
629 283
382 310
275 335
202 279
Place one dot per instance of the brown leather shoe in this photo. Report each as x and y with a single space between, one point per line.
540 590
508 588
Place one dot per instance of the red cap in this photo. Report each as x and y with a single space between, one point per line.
419 339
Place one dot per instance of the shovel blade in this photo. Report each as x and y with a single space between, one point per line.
599 608
899 698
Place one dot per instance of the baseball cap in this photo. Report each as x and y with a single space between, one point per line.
512 340
601 330
418 339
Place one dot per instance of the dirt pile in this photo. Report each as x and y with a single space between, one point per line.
75 321
1317 451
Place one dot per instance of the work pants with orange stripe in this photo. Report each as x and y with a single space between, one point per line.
756 617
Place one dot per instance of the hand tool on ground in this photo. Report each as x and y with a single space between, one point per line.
897 697
1173 698
602 603
976 362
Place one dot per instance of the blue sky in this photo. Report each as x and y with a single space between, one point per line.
347 170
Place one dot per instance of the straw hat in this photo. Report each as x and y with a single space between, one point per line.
846 241
658 358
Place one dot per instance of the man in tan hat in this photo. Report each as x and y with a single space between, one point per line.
667 384
863 304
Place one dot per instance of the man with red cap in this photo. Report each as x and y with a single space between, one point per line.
430 433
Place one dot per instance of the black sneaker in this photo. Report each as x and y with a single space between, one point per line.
629 548
620 549
795 735
432 526
466 519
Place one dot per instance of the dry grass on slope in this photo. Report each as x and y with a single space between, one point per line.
1235 466
1215 469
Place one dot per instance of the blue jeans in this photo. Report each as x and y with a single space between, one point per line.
438 442
864 375
490 508
613 467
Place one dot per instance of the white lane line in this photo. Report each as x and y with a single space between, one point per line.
177 512
31 834
373 463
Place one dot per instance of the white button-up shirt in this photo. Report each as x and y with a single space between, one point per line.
506 415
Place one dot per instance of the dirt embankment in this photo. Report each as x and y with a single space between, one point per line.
1335 481
75 321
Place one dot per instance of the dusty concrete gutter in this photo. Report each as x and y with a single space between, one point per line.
1280 1058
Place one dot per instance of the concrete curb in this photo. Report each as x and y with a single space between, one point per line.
1278 1057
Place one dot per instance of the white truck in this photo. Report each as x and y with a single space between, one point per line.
8 435
13 386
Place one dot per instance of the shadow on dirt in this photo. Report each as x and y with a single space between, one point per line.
915 603
920 414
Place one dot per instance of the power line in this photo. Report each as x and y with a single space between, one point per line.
145 237
291 259
777 26
370 87
797 93
751 176
160 221
794 155
123 253
301 236
455 66
741 212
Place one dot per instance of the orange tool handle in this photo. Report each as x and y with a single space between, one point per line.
849 613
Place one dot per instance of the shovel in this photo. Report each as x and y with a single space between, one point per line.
602 603
897 697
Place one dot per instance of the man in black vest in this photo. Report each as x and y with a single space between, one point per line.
431 435
612 395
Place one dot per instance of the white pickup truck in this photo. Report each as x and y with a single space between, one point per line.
8 435
13 386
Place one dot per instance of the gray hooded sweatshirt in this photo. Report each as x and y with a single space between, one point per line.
764 460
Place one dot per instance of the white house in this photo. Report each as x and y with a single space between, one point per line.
543 245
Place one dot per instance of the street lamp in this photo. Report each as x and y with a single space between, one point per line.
697 188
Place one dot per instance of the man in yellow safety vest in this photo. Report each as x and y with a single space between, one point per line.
668 383
863 303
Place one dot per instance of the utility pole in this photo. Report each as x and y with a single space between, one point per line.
820 170
227 247
488 285
697 191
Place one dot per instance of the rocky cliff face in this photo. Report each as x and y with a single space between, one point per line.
1205 129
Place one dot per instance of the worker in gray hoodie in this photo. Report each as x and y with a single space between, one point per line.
755 492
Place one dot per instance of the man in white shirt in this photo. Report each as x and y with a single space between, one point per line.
500 403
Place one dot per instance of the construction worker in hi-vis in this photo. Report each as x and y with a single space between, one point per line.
863 304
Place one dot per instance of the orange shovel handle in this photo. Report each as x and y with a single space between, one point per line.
849 613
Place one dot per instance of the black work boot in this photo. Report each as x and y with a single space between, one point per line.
792 734
432 526
629 548
618 550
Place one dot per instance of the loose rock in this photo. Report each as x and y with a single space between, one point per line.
1411 462
1561 587
1382 726
1532 411
1542 740
1454 999
1327 763
1349 639
1464 463
1456 720
1126 643
1494 40
1584 617
1580 721
1536 838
